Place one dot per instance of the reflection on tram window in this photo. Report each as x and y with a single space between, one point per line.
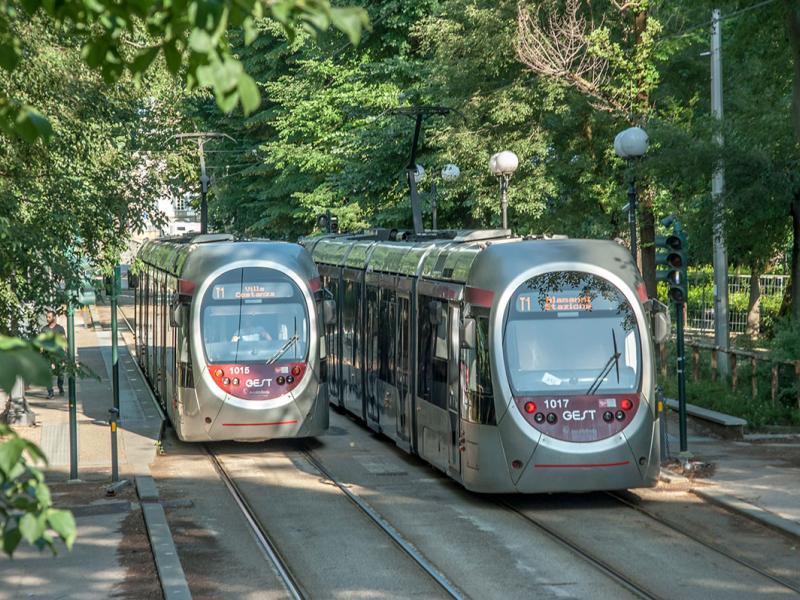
571 332
254 315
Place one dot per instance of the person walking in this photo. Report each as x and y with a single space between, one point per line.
52 326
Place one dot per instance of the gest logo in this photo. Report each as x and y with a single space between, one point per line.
257 383
578 415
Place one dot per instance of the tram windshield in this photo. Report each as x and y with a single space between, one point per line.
571 332
254 314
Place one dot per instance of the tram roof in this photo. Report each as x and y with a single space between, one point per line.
444 255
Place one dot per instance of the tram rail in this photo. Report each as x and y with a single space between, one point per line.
388 529
620 497
601 565
262 537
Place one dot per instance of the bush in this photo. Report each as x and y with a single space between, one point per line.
719 396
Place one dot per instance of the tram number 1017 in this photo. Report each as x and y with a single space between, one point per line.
556 403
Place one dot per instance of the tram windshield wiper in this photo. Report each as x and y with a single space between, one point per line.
282 350
613 360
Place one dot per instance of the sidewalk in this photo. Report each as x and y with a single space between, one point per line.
758 476
111 556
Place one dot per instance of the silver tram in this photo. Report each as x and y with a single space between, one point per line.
513 365
228 337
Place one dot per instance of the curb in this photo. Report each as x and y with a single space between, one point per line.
751 511
737 505
168 564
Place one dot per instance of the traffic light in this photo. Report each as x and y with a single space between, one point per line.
671 255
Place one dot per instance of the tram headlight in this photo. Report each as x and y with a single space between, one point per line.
530 407
219 373
235 381
626 404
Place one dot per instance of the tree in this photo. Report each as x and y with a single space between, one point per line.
127 37
605 52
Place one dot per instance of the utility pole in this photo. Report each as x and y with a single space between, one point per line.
115 285
73 402
721 335
205 180
418 113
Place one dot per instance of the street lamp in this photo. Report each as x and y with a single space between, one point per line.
450 172
630 145
502 165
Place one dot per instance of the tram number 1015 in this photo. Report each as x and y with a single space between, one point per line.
239 370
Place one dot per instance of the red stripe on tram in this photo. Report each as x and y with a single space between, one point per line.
257 424
587 465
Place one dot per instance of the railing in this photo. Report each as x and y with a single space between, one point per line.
736 358
701 318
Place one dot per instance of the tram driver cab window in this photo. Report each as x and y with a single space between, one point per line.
254 314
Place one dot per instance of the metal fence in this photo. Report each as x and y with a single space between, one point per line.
700 317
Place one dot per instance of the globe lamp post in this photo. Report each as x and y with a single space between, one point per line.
630 145
502 165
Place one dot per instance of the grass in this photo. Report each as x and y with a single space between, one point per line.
759 411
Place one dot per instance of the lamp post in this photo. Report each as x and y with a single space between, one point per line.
450 172
502 165
630 145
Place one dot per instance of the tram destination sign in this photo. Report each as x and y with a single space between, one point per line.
258 289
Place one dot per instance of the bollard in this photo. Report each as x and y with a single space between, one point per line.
113 415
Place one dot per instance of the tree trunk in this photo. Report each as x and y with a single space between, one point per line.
795 287
754 303
647 244
793 30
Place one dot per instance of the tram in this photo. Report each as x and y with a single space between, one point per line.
228 337
510 364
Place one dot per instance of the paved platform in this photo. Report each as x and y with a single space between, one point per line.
112 555
761 470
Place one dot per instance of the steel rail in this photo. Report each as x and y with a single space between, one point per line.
387 528
626 582
677 528
263 539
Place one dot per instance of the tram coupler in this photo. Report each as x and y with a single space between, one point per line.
112 421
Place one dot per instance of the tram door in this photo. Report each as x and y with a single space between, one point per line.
454 388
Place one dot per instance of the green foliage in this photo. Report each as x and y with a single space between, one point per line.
785 343
127 37
29 360
26 509
759 410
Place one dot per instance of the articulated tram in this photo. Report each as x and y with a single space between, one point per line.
513 365
228 336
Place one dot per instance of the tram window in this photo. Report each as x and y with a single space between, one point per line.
254 314
425 346
386 331
563 332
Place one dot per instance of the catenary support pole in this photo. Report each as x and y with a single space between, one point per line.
73 405
720 254
115 284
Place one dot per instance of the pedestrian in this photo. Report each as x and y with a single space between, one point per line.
52 326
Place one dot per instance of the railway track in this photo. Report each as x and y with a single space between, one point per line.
630 503
384 525
272 552
590 557
265 543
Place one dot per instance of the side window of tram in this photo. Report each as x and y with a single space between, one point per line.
433 351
